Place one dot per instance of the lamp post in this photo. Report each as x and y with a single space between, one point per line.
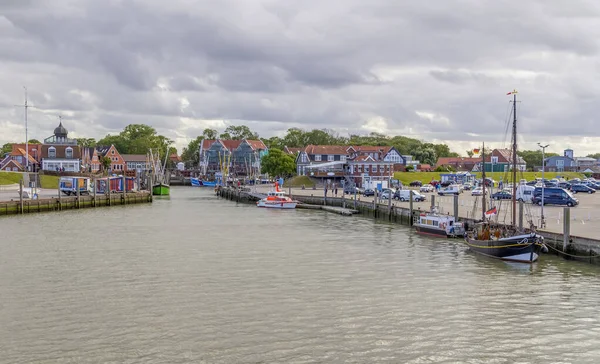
543 222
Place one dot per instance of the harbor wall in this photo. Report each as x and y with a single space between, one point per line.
61 203
568 246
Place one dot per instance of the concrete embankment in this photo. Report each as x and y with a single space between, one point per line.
25 206
563 244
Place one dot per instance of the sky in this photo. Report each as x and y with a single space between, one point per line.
436 70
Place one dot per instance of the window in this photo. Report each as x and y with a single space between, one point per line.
494 160
112 152
343 158
330 158
317 158
69 153
51 152
560 163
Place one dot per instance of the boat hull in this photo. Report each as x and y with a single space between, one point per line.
276 205
522 248
161 190
426 230
197 182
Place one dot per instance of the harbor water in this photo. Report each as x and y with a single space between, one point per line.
196 279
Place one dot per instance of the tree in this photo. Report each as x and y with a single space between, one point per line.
595 155
138 139
470 153
225 136
34 141
533 158
105 163
425 155
190 153
274 142
86 142
241 132
6 148
278 163
209 134
295 138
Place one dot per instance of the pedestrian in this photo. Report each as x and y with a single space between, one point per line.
335 191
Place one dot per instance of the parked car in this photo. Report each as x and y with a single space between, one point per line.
477 191
525 193
565 185
351 190
554 196
387 194
501 195
446 183
450 190
582 188
416 184
467 186
369 192
427 188
404 195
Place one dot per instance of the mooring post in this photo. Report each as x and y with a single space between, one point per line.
390 204
375 203
94 190
410 208
124 189
432 201
108 187
21 196
566 227
520 215
78 193
343 199
456 207
59 199
355 193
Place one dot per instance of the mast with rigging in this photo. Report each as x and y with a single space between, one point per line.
514 159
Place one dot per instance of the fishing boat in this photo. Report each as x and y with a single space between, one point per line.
436 224
277 200
197 182
161 186
507 242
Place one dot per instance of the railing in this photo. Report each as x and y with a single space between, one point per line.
327 174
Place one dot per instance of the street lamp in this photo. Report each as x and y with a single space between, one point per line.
543 222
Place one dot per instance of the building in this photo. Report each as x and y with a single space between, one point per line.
292 151
322 161
561 163
59 153
117 163
242 155
585 162
458 163
500 160
136 162
89 160
373 163
16 160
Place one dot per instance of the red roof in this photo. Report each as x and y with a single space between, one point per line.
326 149
21 152
257 144
442 161
231 144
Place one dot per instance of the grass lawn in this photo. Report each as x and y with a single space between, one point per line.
9 178
298 181
425 177
49 181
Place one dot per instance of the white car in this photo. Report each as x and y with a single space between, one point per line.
450 190
427 188
477 191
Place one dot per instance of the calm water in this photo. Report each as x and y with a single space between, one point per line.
194 279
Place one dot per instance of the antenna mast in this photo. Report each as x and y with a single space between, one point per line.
26 106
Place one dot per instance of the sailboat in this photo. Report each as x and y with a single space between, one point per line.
161 186
507 242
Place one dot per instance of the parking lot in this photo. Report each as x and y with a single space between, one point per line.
584 217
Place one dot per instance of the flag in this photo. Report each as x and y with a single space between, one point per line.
512 92
491 212
476 151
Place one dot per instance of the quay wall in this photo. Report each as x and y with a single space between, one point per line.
61 203
568 246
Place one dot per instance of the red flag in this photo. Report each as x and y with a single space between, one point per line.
492 211
510 93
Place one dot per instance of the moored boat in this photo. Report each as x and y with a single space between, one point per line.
197 182
161 189
433 223
277 200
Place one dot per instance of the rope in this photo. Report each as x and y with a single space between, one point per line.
571 255
498 246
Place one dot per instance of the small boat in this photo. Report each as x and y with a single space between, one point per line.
445 226
277 200
197 182
161 186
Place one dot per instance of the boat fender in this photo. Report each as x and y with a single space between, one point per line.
443 225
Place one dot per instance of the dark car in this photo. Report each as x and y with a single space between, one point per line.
565 185
369 192
446 183
582 188
554 196
501 195
416 184
351 190
532 183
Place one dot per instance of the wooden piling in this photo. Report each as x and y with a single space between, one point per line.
521 215
124 190
94 191
456 207
566 227
21 196
410 208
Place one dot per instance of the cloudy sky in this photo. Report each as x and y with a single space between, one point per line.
437 70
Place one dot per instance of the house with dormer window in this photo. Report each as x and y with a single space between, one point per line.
59 153
322 161
373 163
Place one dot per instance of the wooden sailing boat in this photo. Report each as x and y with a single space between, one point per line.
161 186
506 242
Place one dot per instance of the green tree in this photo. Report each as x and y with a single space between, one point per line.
105 164
278 163
34 141
86 142
595 155
274 142
190 153
470 153
295 138
533 158
225 136
138 139
209 134
241 132
424 155
7 148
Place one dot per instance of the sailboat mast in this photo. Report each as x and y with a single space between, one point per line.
514 160
483 182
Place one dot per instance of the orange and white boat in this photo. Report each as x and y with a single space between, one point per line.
277 200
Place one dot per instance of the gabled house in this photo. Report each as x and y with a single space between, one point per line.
292 151
18 158
135 162
500 160
373 163
458 163
60 153
117 163
247 156
89 160
243 155
585 162
561 163
322 161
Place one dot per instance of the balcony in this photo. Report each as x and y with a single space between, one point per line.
327 173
